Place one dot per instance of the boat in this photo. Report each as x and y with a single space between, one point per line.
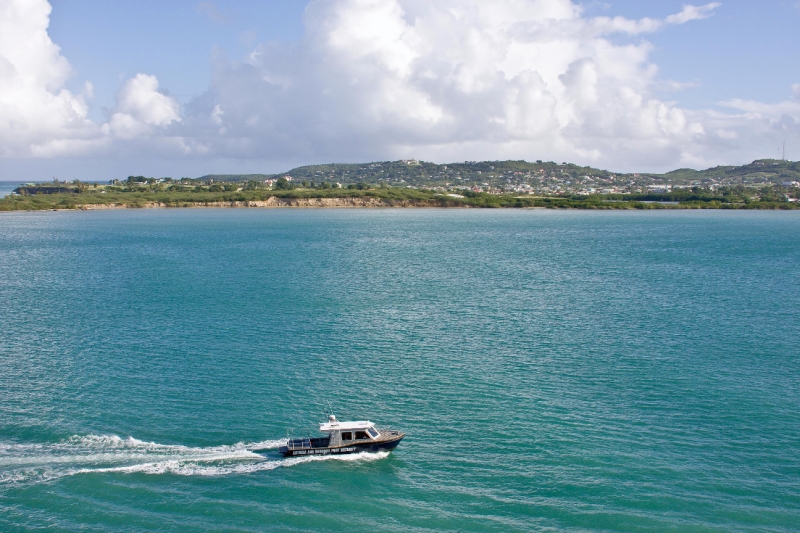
342 438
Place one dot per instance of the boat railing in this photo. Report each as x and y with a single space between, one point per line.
299 444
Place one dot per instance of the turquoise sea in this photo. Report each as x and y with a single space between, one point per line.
553 370
6 187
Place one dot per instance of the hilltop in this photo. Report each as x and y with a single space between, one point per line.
763 184
522 176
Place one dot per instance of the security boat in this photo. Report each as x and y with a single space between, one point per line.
344 437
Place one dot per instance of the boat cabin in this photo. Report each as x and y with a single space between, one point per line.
342 433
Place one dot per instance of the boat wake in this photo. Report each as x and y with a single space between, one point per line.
35 463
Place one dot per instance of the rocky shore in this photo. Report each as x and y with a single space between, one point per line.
272 202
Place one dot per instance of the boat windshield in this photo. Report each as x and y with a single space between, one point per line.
373 432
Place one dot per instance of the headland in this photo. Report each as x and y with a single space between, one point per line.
763 184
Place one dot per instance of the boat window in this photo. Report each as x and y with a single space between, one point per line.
347 435
361 435
373 432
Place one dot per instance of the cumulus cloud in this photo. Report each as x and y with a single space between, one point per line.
382 79
140 98
39 117
451 78
35 109
761 124
140 107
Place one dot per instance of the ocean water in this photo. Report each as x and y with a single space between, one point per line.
553 370
7 187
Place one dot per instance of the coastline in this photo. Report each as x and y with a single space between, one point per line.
361 203
98 202
272 202
510 184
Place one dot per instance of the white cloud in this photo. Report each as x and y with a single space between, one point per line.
39 117
510 78
763 125
34 106
691 12
140 98
88 90
382 79
673 85
140 107
605 25
216 114
762 109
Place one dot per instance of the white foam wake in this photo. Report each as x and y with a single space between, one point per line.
195 468
112 454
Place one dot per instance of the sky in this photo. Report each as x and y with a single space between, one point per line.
96 90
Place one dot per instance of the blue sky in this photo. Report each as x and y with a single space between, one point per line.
187 87
746 50
173 40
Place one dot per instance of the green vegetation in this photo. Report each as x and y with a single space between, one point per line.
760 171
540 175
537 184
211 195
420 173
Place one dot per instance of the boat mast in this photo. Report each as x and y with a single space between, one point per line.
336 434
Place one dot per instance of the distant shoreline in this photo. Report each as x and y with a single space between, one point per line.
272 202
150 194
376 203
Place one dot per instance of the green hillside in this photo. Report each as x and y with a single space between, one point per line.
759 171
539 175
763 184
